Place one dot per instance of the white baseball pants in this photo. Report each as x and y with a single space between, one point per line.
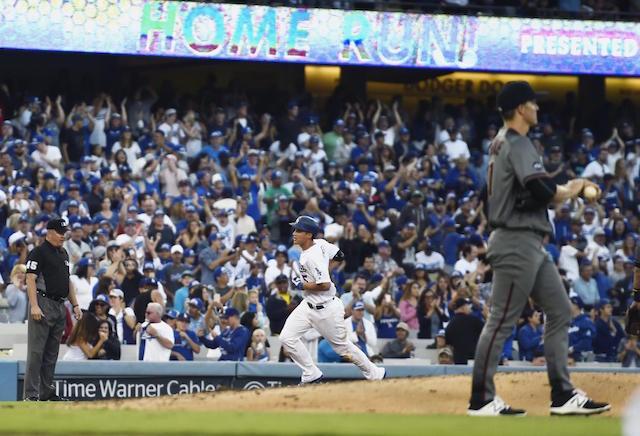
330 323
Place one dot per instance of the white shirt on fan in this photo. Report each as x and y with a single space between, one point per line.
74 352
84 290
466 267
569 262
314 268
434 261
154 351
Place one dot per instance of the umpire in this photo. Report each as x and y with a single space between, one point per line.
48 285
519 191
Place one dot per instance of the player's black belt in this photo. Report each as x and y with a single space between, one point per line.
51 297
318 306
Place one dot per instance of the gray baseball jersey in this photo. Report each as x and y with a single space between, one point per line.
521 267
513 163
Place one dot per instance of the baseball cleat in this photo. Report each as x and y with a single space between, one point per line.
495 407
318 381
578 404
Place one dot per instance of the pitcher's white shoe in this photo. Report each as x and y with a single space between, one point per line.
578 404
495 407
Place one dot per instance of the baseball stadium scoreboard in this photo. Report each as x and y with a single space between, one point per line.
322 36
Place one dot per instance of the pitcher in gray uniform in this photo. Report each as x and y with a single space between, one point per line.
519 191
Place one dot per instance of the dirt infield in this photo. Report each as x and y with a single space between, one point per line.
424 395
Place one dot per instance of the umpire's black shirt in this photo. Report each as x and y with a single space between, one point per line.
51 265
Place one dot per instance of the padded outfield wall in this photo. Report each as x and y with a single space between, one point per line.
111 379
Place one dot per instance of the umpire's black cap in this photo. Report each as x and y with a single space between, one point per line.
515 93
60 225
306 224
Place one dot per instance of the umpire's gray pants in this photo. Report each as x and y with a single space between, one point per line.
521 269
42 348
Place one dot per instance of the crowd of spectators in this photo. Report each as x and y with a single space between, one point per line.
180 217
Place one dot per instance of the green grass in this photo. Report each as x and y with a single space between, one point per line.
18 418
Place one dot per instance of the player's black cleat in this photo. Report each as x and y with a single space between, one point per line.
495 407
578 403
55 397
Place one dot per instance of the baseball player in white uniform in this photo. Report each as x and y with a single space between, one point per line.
320 309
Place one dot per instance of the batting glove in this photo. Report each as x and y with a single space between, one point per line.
297 283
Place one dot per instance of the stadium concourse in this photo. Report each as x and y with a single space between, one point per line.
189 205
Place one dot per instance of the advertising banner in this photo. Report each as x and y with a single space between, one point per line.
107 387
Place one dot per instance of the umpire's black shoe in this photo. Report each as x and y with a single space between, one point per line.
55 397
495 407
31 399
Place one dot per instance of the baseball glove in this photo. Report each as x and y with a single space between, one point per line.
632 318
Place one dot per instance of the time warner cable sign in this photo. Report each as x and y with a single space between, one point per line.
320 36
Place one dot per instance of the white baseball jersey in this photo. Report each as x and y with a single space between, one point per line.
314 268
328 321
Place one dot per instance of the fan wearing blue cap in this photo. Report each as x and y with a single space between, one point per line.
461 178
247 187
196 308
181 296
216 144
100 307
609 333
186 341
76 247
280 267
320 308
383 262
211 258
232 341
318 157
582 331
570 256
361 331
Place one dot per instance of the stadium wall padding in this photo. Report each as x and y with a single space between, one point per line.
103 379
8 380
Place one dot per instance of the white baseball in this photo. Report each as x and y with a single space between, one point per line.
590 193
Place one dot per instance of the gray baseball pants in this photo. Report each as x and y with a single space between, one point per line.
521 269
43 344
